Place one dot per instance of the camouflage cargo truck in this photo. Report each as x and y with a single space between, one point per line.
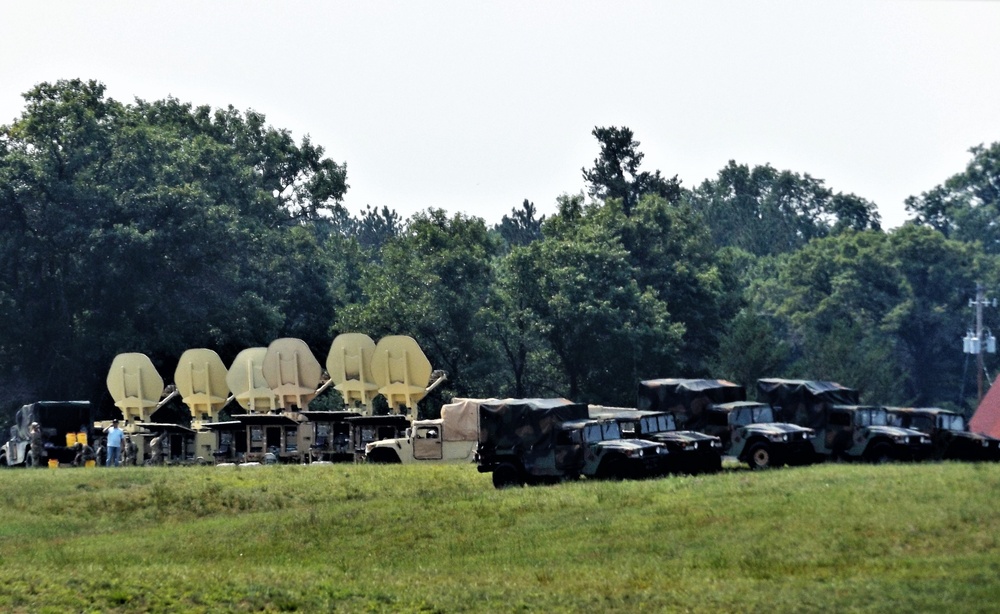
687 399
950 436
844 429
62 424
537 441
688 451
750 434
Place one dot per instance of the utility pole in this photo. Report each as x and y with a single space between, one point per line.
975 343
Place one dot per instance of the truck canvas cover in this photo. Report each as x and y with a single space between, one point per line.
803 402
461 419
526 426
687 399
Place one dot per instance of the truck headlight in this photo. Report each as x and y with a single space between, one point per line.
925 440
662 450
717 443
778 437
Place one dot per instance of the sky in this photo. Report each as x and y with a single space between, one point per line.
475 106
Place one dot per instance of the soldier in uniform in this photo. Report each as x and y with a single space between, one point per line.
35 444
156 450
102 451
84 453
131 450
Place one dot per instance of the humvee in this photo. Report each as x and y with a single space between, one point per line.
450 438
750 434
844 430
537 441
688 451
949 433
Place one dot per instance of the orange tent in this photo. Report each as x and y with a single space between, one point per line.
986 420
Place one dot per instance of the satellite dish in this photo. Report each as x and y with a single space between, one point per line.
135 386
292 372
401 370
200 378
247 383
349 366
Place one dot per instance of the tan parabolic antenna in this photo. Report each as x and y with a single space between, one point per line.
247 383
201 380
401 370
135 386
292 372
349 366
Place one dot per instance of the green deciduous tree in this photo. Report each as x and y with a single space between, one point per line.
966 206
765 211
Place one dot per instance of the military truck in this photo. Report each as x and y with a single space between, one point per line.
750 434
688 451
450 438
844 429
950 437
687 399
62 424
537 441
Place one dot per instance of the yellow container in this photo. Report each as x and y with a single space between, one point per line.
90 464
53 463
70 440
82 437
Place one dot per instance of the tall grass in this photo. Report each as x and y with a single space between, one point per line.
399 538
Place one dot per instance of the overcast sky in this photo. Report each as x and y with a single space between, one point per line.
474 106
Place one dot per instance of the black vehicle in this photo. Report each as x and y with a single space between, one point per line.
62 424
542 441
949 433
843 430
688 451
750 434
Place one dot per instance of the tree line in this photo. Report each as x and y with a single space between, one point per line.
160 226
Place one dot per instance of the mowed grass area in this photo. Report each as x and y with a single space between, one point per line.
832 537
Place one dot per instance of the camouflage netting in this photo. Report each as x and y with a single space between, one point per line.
687 399
803 401
524 427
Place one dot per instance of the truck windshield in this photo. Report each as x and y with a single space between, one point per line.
951 422
874 416
762 414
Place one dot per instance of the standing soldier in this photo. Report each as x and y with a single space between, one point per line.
156 450
35 443
131 450
102 451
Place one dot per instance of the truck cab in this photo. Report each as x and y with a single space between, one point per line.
606 454
750 434
950 436
859 432
690 452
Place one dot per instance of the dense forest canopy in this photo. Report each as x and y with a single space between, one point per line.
160 226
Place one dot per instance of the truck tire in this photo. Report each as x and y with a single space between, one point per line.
383 457
506 475
3 460
760 456
880 453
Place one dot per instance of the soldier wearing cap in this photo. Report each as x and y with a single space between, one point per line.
36 444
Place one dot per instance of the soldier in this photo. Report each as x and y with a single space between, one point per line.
131 450
102 451
84 453
36 444
156 450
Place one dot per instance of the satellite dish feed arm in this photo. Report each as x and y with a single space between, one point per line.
441 377
166 400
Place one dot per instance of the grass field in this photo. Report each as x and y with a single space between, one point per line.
828 538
